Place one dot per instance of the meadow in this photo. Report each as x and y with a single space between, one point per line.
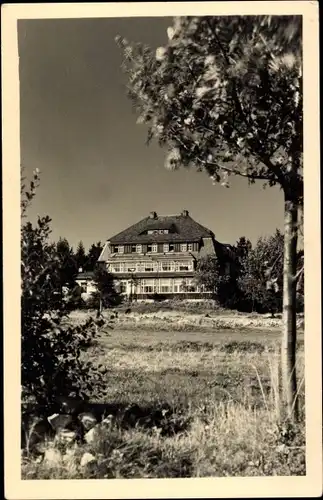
217 377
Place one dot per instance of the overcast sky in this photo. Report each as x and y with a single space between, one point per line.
97 175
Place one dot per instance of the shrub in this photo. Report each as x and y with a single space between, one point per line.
50 346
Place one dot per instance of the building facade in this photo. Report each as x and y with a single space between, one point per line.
158 255
84 279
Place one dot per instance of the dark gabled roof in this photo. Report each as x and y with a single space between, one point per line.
181 227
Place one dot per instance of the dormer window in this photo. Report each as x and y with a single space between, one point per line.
183 247
154 248
157 231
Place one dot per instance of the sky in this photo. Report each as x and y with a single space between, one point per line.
77 126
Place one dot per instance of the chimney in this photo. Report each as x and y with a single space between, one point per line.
153 215
185 213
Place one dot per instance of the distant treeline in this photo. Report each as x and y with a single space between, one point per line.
255 279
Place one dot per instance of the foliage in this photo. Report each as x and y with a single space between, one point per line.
242 248
262 273
224 94
92 256
106 294
80 255
211 276
50 348
207 273
68 264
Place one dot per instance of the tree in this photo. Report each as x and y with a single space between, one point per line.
242 248
68 264
224 95
106 294
80 255
210 275
50 346
93 255
261 273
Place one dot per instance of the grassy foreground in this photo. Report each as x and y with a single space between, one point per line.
224 392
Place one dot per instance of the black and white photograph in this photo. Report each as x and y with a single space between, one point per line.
165 258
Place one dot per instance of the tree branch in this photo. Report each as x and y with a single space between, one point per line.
298 274
240 109
242 174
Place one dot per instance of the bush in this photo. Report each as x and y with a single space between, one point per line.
50 347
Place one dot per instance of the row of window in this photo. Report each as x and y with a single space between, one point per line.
158 231
153 248
161 286
150 267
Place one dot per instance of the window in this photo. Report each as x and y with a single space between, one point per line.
184 266
183 247
147 286
84 286
157 231
171 247
139 248
117 267
165 286
149 248
119 249
154 247
130 268
167 266
133 248
177 286
148 267
166 247
190 247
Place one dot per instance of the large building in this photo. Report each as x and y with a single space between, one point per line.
157 256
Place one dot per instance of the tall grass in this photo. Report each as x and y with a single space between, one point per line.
227 395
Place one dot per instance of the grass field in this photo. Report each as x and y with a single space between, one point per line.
222 385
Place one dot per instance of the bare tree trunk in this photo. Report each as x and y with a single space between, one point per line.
99 311
288 348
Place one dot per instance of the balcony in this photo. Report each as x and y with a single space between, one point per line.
151 267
